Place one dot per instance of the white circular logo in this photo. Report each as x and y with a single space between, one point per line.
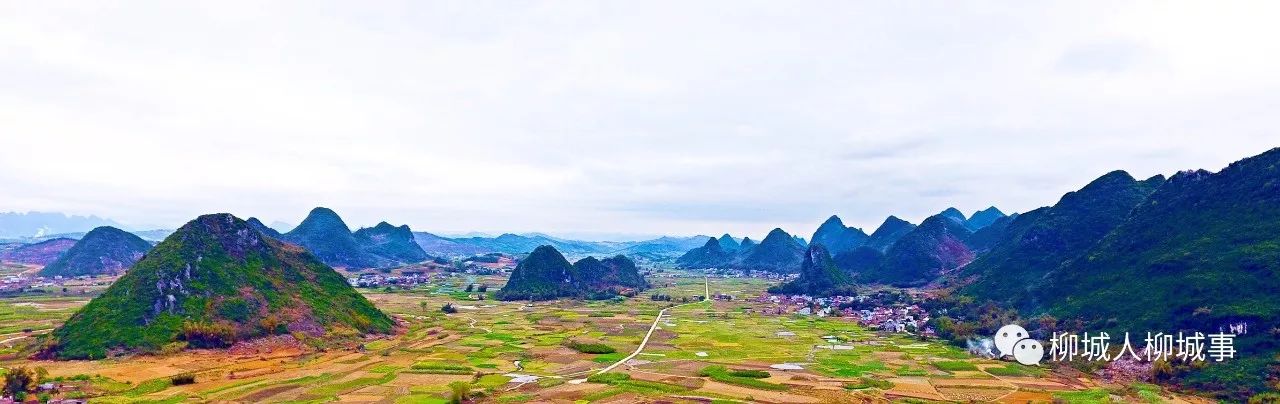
1014 340
1028 352
1007 336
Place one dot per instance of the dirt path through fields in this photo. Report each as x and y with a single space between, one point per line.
663 312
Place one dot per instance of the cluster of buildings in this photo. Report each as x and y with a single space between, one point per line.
406 279
896 318
18 283
738 273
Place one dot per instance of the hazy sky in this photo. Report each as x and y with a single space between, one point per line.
679 117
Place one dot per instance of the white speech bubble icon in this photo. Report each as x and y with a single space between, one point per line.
1008 335
1028 352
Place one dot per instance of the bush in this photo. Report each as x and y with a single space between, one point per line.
589 348
20 380
754 374
208 335
459 391
185 378
723 375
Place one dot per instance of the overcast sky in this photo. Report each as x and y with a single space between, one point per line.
601 117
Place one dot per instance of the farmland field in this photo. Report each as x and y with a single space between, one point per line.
506 352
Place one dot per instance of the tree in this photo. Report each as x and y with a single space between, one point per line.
424 305
18 381
459 391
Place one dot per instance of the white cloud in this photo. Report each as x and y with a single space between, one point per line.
673 117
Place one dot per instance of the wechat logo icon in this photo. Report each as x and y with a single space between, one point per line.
1014 340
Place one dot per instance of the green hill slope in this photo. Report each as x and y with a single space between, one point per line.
778 252
102 251
545 274
836 237
211 283
325 235
924 253
1040 241
888 233
1206 242
609 275
392 244
710 255
819 276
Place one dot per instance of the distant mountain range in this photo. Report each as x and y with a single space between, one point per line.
661 248
15 225
153 235
325 234
898 252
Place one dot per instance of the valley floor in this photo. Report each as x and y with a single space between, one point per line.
517 352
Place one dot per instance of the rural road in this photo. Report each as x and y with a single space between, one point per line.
645 341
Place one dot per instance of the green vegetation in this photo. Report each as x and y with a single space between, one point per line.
390 243
327 237
1084 397
754 374
921 255
722 374
104 250
441 368
608 378
590 348
905 370
182 379
954 366
208 271
1014 370
623 382
836 237
778 252
1039 241
545 274
818 276
334 389
459 391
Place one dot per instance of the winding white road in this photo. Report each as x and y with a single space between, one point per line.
645 341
